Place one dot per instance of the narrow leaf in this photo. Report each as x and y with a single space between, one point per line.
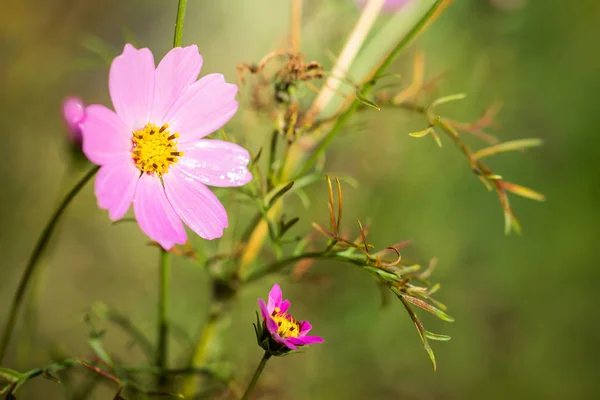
280 193
387 276
286 226
420 134
255 158
322 230
428 307
523 191
420 329
98 349
50 377
511 223
512 145
340 204
448 99
436 137
331 205
435 336
365 101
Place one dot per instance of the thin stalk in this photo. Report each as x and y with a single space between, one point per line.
163 313
179 23
296 24
200 353
165 267
280 264
34 258
257 373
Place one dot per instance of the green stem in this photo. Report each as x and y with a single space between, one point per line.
257 373
163 313
278 265
341 121
201 349
34 258
179 23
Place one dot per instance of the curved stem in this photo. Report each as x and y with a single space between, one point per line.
163 313
257 373
34 258
179 23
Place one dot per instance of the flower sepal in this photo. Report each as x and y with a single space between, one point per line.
268 343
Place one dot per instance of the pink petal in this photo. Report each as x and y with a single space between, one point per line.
285 305
271 324
263 309
216 162
306 340
175 73
115 186
305 327
275 297
202 109
197 206
155 215
105 135
131 85
286 342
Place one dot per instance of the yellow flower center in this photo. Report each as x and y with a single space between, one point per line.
287 326
155 149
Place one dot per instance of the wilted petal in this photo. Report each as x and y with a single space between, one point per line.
155 215
131 85
216 162
115 186
105 135
175 73
202 109
197 206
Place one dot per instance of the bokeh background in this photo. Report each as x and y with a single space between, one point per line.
526 322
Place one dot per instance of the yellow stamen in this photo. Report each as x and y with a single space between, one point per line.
287 326
154 149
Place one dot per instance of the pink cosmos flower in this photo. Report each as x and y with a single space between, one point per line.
283 328
151 148
389 5
74 113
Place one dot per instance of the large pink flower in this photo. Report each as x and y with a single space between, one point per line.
151 148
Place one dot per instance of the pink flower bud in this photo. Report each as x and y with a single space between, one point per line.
74 114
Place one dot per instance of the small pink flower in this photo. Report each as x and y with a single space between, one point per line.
74 114
151 150
389 5
283 328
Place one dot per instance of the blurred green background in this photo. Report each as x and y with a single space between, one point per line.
524 305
